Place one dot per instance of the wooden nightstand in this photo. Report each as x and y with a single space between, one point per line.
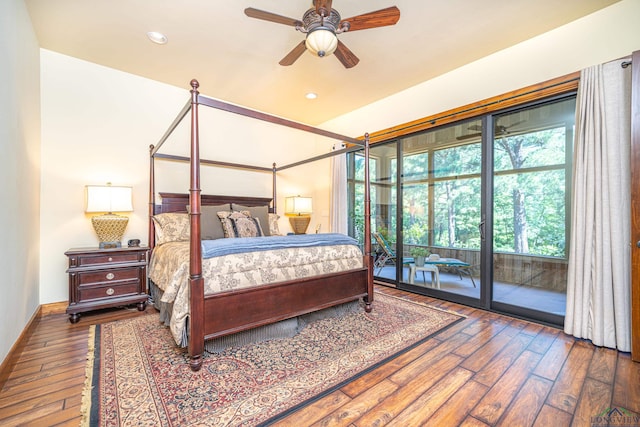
102 278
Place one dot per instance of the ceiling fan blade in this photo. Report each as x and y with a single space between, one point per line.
469 136
294 54
515 124
323 7
379 18
271 17
498 128
345 56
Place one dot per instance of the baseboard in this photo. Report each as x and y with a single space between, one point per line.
18 346
54 308
381 283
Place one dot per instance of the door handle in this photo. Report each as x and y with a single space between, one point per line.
481 229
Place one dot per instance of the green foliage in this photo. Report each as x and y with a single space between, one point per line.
442 206
386 234
417 251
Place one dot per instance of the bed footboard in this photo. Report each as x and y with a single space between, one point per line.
231 312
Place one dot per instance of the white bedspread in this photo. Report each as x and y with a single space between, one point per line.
169 270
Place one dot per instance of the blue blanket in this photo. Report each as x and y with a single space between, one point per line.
220 247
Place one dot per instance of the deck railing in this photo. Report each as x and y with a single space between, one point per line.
530 270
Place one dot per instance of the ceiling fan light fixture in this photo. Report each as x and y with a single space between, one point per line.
321 42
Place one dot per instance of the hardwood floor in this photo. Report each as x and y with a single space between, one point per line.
487 370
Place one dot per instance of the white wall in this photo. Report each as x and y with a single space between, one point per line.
98 123
97 126
19 171
608 34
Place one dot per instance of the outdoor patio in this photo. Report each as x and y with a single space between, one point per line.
510 293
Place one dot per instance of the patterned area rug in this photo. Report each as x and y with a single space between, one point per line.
136 375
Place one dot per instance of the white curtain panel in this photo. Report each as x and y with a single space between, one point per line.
599 276
338 216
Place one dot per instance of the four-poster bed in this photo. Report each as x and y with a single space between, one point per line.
212 315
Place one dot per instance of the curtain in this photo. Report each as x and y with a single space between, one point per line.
338 216
599 274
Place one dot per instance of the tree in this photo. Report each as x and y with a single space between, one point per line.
516 148
542 191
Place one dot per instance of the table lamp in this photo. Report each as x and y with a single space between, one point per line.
109 199
298 209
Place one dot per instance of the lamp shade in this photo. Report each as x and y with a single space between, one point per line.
321 42
297 205
108 198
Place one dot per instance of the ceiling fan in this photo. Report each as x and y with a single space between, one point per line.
321 24
499 130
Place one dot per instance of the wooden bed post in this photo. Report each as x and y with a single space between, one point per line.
274 202
196 282
152 198
367 226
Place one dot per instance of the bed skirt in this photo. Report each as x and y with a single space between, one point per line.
283 329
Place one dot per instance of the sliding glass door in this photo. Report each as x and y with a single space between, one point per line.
477 211
441 206
532 150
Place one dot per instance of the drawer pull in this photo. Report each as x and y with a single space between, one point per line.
110 259
110 291
110 276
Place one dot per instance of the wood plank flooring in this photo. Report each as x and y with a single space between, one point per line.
489 370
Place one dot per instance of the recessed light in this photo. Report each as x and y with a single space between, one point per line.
157 37
311 95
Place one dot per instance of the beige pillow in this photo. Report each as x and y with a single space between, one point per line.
171 227
259 212
240 224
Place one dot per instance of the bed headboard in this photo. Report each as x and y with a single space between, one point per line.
177 202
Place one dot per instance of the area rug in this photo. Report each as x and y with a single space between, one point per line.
136 375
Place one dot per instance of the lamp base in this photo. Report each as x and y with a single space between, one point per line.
110 229
299 223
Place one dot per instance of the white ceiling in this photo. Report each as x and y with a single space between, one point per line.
235 58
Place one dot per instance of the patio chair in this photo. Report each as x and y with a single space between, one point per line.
387 254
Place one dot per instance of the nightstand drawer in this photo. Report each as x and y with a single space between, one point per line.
102 259
108 275
107 290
